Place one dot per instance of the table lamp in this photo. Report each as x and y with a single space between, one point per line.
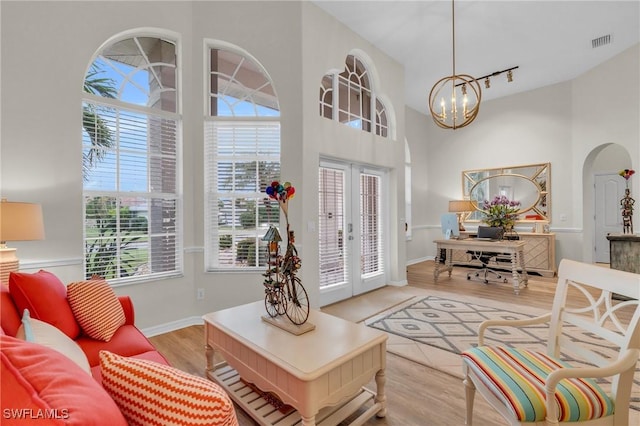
18 222
460 207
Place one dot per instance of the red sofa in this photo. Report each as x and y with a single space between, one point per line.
45 383
127 341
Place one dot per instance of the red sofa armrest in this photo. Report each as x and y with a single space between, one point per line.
127 306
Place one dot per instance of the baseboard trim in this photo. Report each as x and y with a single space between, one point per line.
172 326
422 259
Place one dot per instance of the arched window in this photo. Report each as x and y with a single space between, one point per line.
349 98
242 157
130 148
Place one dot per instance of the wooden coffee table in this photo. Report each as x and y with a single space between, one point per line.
320 373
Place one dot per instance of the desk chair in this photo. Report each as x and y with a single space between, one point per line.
491 233
543 388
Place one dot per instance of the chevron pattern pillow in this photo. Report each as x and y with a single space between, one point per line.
96 308
149 393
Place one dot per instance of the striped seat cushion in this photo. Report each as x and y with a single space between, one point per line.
96 308
149 393
517 377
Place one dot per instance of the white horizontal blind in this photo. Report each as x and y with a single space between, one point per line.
131 196
332 233
241 159
371 224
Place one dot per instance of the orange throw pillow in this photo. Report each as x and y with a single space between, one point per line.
42 387
96 308
45 296
150 393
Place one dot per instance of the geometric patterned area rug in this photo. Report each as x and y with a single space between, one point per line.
452 325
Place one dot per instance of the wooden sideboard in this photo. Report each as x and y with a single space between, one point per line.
539 253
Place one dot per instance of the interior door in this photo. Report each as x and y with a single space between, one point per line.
609 190
352 229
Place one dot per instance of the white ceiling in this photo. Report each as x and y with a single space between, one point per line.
549 40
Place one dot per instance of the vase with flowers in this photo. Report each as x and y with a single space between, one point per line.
500 211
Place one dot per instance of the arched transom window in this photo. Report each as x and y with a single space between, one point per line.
348 97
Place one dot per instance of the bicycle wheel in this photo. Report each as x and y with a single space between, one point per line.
275 302
297 308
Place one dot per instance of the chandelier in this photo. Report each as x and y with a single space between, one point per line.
454 101
459 112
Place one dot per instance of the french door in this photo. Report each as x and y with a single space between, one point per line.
352 230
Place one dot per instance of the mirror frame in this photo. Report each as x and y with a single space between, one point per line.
538 174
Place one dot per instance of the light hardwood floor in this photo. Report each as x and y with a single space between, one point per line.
416 395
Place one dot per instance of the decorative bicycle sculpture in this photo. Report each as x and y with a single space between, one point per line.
284 292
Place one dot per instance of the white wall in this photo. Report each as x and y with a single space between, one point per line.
606 111
417 128
562 124
46 48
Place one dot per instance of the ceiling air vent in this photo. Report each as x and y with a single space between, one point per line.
601 41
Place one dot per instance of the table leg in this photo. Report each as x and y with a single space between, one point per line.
440 262
525 276
208 352
381 396
514 273
308 420
436 270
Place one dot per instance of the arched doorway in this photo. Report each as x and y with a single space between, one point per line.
602 190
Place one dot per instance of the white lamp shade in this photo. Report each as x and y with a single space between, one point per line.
21 221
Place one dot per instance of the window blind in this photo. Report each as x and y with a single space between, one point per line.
131 199
371 241
331 232
241 159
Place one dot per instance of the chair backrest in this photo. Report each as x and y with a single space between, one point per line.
493 232
584 299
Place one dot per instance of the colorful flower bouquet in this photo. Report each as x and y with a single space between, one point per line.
500 211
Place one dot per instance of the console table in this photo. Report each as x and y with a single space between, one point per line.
539 252
514 248
320 373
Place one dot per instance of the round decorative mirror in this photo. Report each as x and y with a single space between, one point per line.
527 184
